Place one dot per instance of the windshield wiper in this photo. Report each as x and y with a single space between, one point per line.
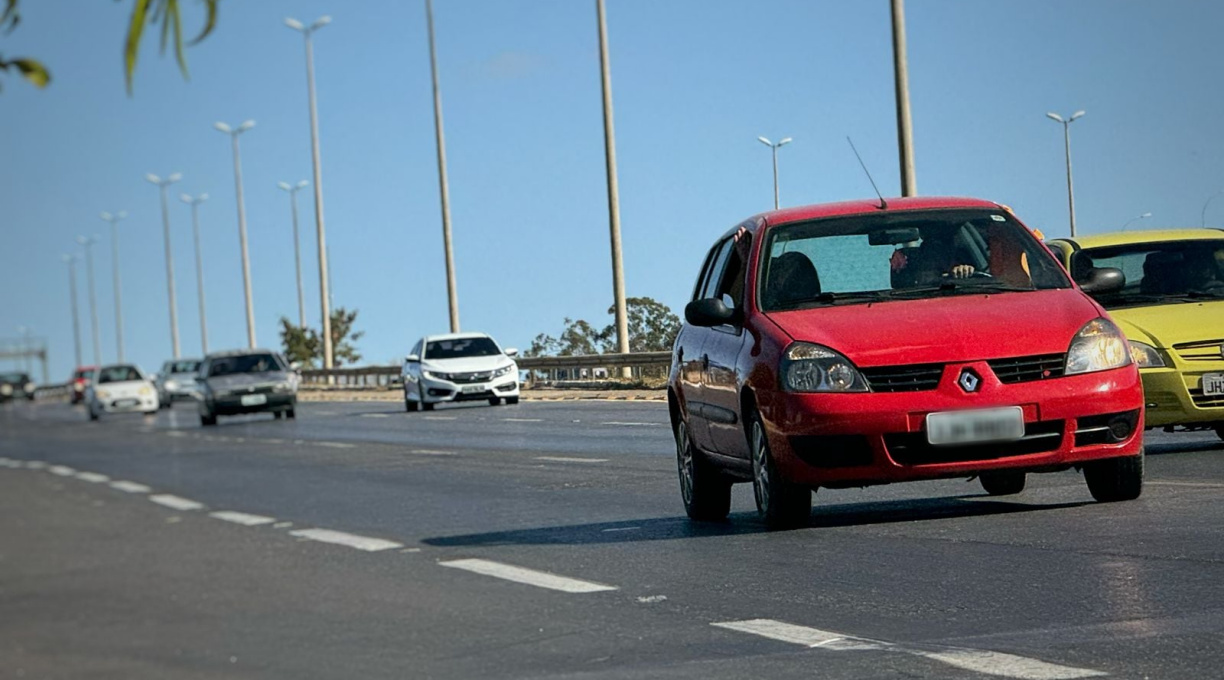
838 299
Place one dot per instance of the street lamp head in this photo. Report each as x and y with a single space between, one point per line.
186 198
284 186
1145 215
202 197
764 141
784 142
122 214
1075 115
303 184
1056 117
223 127
294 24
107 216
320 22
246 125
153 178
174 178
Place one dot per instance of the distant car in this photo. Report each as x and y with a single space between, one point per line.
246 381
1172 311
121 388
177 381
80 381
459 367
14 385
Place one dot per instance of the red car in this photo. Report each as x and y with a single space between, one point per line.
82 377
871 342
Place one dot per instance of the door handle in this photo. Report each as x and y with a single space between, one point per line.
705 362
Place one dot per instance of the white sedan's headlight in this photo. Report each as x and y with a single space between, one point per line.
436 375
29 387
6 389
503 370
146 390
1145 356
171 384
814 368
103 394
1098 346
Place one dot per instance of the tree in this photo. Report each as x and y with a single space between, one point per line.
144 12
304 344
652 326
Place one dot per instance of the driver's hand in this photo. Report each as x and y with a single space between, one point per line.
961 271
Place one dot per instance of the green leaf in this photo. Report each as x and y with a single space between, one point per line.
33 71
209 23
9 15
165 23
131 46
173 11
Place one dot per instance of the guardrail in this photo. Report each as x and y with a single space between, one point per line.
52 391
538 369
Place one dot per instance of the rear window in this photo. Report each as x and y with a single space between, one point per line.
461 347
112 374
247 363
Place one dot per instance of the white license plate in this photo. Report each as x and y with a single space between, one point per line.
126 403
969 427
473 389
253 400
1213 384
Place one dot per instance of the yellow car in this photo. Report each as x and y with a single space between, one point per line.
1171 308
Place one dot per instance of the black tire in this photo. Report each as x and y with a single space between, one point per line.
207 420
92 415
780 503
705 492
291 413
1003 482
494 401
276 415
514 400
1220 431
426 406
1115 479
409 405
151 413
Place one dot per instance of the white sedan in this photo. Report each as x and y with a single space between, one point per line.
459 367
121 388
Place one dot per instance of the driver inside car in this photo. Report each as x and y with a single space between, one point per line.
937 257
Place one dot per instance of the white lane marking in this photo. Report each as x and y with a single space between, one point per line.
431 452
9 463
92 477
376 415
978 660
565 459
530 577
606 531
523 420
130 487
351 540
440 417
61 470
651 599
176 433
1205 485
241 518
625 424
337 445
35 464
282 525
176 502
1006 665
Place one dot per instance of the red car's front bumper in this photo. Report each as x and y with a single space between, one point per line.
876 438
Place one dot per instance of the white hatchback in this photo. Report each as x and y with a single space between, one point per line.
121 388
459 367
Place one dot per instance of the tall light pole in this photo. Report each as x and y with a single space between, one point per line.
242 230
114 223
618 269
308 31
162 184
1143 216
297 250
1066 123
70 260
87 243
452 296
1203 216
774 148
199 262
905 128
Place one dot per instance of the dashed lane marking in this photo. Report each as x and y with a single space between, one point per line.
978 660
350 540
440 417
531 577
337 445
61 470
130 487
176 502
376 415
10 463
431 452
1203 485
523 420
241 518
566 459
629 424
92 477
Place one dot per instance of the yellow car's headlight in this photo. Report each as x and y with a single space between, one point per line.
1145 356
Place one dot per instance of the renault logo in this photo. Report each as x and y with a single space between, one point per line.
969 381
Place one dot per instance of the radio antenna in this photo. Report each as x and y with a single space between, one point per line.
883 203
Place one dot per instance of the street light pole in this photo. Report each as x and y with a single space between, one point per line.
87 243
1203 216
114 223
618 269
162 184
318 180
242 230
905 128
199 263
774 147
70 260
452 296
1144 216
1066 123
297 251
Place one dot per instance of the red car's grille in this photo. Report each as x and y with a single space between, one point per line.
1028 369
914 378
911 448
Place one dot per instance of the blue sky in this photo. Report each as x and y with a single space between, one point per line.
695 82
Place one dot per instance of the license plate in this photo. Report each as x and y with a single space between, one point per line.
473 389
969 427
253 400
1213 384
126 403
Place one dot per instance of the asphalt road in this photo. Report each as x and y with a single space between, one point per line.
547 540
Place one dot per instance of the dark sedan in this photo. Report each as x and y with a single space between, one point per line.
14 385
247 381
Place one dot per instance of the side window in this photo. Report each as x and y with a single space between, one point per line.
732 282
714 275
416 349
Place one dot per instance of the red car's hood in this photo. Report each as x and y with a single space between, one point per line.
945 329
